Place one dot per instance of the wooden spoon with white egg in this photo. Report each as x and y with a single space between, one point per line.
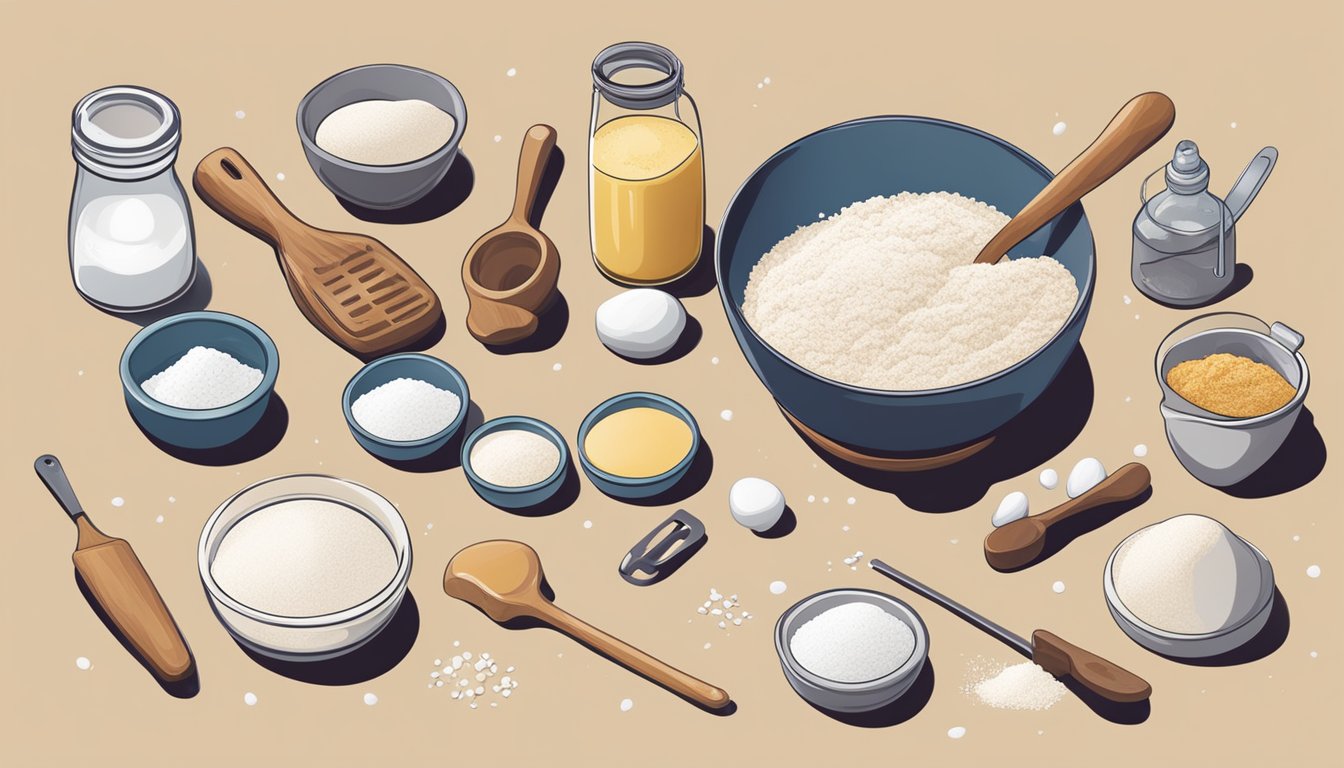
1136 127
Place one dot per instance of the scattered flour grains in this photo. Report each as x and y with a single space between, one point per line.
406 409
853 643
203 378
884 295
1024 686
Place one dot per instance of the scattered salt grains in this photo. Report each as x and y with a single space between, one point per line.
473 677
853 560
1126 299
81 371
1313 654
709 645
172 499
557 367
811 499
766 80
83 663
370 699
627 705
250 699
1024 686
512 71
956 732
1059 128
117 501
1141 450
240 114
587 523
712 361
825 499
159 519
406 409
498 138
726 415
851 501
1234 125
1314 571
201 379
279 177
1058 587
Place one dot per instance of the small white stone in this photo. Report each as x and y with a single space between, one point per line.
83 663
279 177
626 705
507 692
1059 128
958 731
712 361
708 646
1126 298
755 503
587 523
370 699
498 138
1140 450
1314 571
117 501
778 587
1234 125
726 415
722 625
466 655
851 501
159 519
557 367
511 72
1049 479
1058 587
1085 475
250 699
1013 507
766 80
240 114
641 323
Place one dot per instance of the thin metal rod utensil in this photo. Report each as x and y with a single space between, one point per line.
1018 642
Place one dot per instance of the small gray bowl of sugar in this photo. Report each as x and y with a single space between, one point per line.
382 136
851 650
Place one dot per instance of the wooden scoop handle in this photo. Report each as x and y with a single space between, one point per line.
665 675
1124 484
118 581
1112 682
1136 127
532 158
233 188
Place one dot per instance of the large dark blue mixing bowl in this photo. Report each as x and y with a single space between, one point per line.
853 161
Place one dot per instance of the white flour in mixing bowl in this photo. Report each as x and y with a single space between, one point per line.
884 295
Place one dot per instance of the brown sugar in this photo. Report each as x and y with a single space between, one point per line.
1231 385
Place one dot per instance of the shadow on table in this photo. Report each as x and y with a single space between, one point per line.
378 655
253 445
1031 438
185 688
1297 462
451 191
702 466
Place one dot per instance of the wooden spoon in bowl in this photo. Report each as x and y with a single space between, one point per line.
1022 541
1136 127
503 579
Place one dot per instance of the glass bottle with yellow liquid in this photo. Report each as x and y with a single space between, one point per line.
646 184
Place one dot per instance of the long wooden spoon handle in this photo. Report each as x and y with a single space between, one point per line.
1124 484
537 145
118 581
233 188
1112 682
664 674
1136 127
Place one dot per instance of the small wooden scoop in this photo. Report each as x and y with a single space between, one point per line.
352 287
510 273
1136 127
1021 541
503 579
121 586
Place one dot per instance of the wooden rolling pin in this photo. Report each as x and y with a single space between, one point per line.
120 585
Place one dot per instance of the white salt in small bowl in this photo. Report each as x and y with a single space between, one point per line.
410 365
306 638
849 698
1235 634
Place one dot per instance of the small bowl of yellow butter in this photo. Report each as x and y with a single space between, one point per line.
637 445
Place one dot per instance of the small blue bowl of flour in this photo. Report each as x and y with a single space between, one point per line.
405 407
199 380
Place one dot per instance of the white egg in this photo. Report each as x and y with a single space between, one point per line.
641 323
1013 507
755 503
1086 474
1049 479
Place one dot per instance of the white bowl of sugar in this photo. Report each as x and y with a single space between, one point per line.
305 567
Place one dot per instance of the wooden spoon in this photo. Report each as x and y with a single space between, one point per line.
1136 127
1022 541
120 585
503 579
510 273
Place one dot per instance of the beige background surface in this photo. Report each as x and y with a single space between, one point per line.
1274 70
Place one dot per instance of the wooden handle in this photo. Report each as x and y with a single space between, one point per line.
123 589
537 145
1100 676
233 188
1136 127
496 323
667 676
1124 484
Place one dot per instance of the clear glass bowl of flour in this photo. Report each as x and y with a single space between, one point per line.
305 567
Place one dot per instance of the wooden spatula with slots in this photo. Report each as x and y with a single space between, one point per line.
352 287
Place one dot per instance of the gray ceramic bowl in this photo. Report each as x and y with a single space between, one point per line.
1188 646
849 697
382 187
410 365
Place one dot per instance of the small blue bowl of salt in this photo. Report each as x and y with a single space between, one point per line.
199 380
406 406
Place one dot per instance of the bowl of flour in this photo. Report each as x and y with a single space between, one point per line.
199 380
844 266
305 567
382 136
